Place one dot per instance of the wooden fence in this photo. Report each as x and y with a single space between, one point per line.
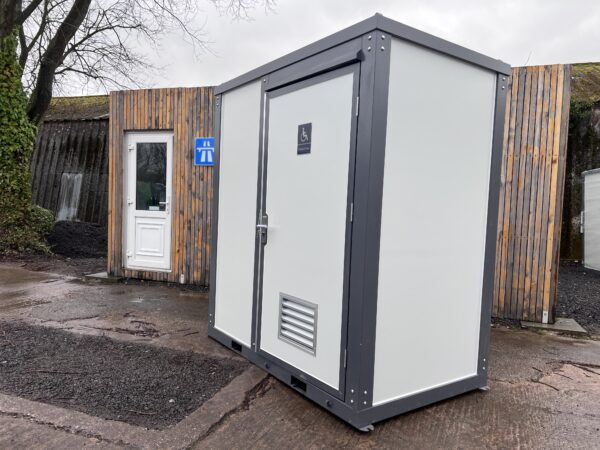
72 147
532 184
188 112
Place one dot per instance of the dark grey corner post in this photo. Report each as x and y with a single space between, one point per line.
215 213
368 192
489 270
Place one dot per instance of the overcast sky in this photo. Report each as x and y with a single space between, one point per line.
519 32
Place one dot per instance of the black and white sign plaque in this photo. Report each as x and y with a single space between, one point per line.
304 138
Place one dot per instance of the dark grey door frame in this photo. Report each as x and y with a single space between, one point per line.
281 88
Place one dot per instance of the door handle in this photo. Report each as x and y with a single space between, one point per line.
165 204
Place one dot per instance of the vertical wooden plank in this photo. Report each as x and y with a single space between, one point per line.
202 177
516 293
184 181
512 238
194 200
174 120
125 103
189 149
562 163
524 281
528 311
547 191
110 212
538 238
552 218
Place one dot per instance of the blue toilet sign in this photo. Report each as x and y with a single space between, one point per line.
204 154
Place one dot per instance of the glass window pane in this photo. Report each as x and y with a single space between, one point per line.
151 178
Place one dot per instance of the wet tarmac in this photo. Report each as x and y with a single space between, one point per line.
544 389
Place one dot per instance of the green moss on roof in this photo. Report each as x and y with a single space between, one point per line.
585 82
87 107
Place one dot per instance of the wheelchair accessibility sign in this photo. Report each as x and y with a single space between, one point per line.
204 154
304 138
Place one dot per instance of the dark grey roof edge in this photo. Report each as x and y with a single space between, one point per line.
441 45
382 23
590 172
105 116
325 43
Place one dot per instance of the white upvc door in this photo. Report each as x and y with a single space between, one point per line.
149 157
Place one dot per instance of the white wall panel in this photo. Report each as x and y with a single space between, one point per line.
238 172
435 192
591 208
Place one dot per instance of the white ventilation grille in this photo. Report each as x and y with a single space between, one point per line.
298 322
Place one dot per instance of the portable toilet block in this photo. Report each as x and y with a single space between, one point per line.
355 209
590 219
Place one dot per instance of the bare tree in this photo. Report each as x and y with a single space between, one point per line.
67 42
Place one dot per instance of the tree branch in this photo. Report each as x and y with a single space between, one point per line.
24 15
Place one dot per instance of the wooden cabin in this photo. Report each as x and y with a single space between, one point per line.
159 208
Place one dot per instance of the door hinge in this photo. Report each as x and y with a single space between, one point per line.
357 103
351 212
582 222
129 253
345 357
130 147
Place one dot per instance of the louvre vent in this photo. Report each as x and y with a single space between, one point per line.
298 323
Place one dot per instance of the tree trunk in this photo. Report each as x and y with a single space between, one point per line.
52 58
9 11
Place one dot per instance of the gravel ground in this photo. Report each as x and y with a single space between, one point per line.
78 248
78 239
138 384
579 296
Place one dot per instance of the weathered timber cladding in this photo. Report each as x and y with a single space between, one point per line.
188 113
532 185
72 146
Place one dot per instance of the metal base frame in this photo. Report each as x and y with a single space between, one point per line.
367 43
361 419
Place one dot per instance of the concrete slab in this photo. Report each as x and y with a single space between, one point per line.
562 325
102 277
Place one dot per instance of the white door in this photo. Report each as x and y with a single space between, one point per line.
591 219
148 196
310 140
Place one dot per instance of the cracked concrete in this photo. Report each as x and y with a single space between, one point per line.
544 389
536 400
